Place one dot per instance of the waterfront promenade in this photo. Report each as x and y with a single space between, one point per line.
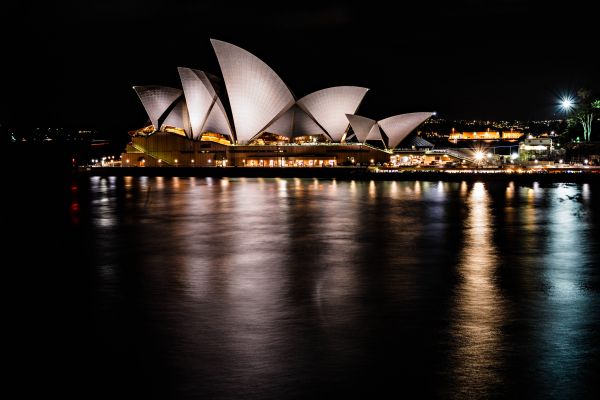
575 174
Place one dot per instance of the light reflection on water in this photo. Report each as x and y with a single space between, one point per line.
274 288
479 310
563 341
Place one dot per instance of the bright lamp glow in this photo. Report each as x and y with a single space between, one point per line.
566 103
479 155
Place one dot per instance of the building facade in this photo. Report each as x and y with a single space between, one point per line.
540 149
165 149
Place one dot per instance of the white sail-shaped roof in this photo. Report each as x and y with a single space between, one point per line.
361 126
399 126
156 100
375 134
178 117
304 125
206 111
329 107
295 122
198 97
217 121
283 125
256 93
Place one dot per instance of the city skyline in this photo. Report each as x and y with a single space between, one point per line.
509 60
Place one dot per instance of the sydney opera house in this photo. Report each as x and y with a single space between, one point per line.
254 120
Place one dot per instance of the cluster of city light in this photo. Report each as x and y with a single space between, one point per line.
103 160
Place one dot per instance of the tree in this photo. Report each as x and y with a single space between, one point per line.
570 132
584 110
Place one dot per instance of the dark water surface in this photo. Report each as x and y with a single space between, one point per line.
290 288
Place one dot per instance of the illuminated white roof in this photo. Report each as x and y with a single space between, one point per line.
217 121
283 125
304 125
361 126
178 117
256 93
156 101
374 133
206 111
399 126
329 107
295 122
261 102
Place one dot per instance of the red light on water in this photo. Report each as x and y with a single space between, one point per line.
74 212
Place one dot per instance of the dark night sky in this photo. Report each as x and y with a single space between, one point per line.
74 64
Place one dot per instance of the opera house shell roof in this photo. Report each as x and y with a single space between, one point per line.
259 101
395 129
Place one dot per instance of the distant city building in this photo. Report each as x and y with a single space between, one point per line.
511 135
50 135
485 135
532 149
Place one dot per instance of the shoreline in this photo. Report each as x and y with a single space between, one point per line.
353 173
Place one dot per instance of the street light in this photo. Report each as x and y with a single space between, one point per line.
567 103
479 155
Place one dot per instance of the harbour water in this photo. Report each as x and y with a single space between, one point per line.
301 288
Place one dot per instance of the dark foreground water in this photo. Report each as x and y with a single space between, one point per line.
289 288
